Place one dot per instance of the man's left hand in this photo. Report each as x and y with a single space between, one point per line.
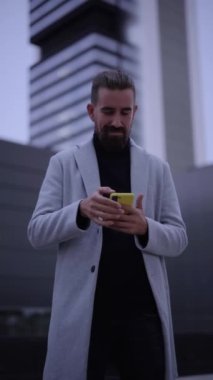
133 221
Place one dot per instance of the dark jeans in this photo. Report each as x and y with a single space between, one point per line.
135 346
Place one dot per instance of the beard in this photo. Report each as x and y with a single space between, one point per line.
113 139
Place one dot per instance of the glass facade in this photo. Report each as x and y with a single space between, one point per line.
60 88
60 83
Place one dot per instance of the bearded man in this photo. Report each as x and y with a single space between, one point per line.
111 295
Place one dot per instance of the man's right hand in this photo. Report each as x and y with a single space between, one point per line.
100 209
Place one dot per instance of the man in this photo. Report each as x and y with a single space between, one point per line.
111 297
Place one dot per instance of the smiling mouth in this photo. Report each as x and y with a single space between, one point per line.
116 132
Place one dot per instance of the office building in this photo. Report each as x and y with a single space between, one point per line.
76 39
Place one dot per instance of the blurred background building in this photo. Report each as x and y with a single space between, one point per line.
77 39
157 42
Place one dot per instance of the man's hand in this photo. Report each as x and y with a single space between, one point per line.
107 213
133 221
100 209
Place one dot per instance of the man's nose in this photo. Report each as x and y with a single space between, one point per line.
117 122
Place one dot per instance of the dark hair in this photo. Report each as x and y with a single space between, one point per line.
113 80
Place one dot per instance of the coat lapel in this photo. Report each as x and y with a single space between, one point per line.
87 163
139 171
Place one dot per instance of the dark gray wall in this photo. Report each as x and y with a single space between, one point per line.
191 275
25 275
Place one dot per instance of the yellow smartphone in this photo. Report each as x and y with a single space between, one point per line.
123 198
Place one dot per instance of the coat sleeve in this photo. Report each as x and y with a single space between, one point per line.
51 223
167 234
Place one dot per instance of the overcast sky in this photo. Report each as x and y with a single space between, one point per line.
17 55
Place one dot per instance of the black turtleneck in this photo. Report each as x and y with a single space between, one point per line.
114 167
122 288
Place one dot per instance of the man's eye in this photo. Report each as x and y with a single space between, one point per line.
126 112
107 112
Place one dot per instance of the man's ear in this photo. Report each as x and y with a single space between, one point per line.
90 111
135 108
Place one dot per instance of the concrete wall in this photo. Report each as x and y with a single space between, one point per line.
25 275
191 274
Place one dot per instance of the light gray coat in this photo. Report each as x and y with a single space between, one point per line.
71 176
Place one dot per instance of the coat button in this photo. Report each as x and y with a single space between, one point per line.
92 268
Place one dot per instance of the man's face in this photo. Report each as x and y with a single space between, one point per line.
113 115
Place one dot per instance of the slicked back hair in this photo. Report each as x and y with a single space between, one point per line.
112 80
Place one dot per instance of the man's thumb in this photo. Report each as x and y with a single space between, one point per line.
139 201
